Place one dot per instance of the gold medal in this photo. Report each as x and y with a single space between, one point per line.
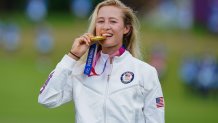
98 38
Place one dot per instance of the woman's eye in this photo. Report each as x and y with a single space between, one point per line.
113 21
100 21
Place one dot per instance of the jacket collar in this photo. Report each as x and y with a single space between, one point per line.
116 59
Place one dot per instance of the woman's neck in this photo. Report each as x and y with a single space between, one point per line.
110 50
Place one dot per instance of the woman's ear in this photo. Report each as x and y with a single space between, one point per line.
127 29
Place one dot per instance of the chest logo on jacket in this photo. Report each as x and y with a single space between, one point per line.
127 77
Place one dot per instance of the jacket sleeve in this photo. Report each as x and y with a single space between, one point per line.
154 101
57 89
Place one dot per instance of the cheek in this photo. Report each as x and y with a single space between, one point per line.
119 32
97 30
119 29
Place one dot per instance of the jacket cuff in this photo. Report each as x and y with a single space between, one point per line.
67 62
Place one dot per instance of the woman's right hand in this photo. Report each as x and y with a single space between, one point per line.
80 46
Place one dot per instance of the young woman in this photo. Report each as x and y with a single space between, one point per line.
117 88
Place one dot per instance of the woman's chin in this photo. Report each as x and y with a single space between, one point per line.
106 43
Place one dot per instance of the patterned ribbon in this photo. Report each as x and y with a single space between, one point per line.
91 61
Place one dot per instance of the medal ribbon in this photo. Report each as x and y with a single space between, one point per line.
91 70
89 59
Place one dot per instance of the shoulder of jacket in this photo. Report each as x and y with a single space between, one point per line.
143 64
147 73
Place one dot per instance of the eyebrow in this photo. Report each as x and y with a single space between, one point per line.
109 18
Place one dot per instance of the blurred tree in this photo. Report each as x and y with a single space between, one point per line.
142 7
7 6
64 5
139 6
59 5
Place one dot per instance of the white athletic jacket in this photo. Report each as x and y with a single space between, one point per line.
128 91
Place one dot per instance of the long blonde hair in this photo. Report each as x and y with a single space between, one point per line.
130 40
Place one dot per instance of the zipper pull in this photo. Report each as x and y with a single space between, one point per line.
108 78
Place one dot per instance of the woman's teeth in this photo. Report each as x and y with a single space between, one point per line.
107 35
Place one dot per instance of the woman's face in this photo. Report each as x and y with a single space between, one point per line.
110 24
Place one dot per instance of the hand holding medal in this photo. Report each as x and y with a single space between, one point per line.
82 44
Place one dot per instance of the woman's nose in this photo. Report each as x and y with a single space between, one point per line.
106 26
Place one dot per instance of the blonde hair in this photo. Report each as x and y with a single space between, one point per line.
130 40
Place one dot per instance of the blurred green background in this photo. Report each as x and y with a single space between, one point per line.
24 69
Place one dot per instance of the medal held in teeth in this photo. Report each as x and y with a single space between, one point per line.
101 38
98 38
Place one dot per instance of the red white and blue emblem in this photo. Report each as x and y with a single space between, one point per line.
127 77
160 102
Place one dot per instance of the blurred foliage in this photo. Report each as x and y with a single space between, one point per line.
8 6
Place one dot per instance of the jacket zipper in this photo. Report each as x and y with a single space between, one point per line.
106 93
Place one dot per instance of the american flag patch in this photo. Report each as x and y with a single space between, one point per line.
160 102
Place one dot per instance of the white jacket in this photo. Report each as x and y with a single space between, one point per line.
127 92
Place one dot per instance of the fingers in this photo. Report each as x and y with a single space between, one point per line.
83 40
81 44
86 38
